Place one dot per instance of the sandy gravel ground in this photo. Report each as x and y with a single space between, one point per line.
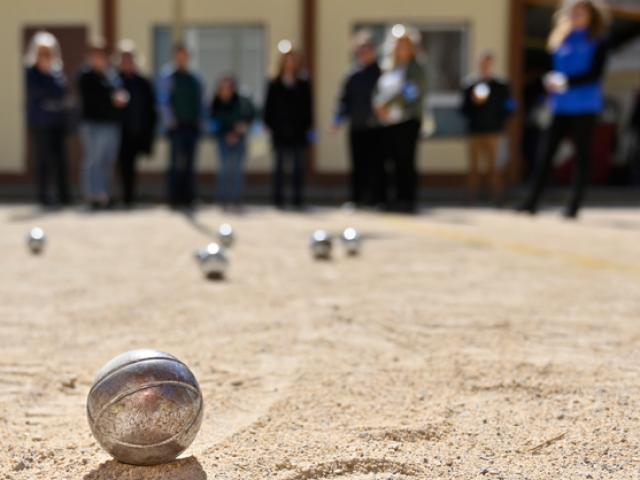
462 344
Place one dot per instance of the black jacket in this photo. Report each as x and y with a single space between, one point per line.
288 112
227 115
96 92
139 117
635 116
491 116
46 95
356 101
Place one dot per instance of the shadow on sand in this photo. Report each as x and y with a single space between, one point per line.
184 469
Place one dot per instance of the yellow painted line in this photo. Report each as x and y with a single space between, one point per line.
476 240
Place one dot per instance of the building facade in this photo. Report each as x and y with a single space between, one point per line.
242 36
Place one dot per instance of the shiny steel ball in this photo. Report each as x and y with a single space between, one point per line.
213 261
482 91
321 244
557 81
36 240
352 241
145 407
226 235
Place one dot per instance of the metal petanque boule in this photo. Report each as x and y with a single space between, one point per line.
213 261
482 91
352 241
226 235
36 240
145 407
321 245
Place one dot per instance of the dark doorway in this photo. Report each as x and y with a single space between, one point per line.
73 41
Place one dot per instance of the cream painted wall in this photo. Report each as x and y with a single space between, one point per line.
15 16
488 20
281 19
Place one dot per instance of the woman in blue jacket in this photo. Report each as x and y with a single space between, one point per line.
579 47
46 114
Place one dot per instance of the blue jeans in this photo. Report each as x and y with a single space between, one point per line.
100 143
231 173
181 177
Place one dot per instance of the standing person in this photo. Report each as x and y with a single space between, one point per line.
288 113
102 102
634 129
399 105
486 106
46 115
138 120
232 115
579 48
368 177
182 107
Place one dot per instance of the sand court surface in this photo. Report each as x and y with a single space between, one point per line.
462 344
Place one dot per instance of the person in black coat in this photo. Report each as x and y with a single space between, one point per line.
635 116
288 114
368 176
634 128
487 104
47 93
138 119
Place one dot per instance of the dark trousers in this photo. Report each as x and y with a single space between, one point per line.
401 142
181 176
368 174
285 157
129 150
51 160
581 129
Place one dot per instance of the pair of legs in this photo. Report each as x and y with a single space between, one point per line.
581 129
181 175
368 174
484 148
231 173
51 160
129 150
100 142
293 157
401 142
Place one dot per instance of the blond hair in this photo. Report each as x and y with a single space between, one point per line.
407 34
297 58
43 40
600 19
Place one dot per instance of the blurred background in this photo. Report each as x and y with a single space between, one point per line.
242 36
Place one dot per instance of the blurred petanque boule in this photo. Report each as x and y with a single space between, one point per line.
321 245
226 235
556 81
482 91
213 261
352 241
36 240
145 407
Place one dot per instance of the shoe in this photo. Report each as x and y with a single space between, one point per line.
527 208
571 214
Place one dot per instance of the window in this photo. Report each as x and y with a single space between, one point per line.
445 55
216 51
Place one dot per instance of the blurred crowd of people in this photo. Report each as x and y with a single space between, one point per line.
382 102
121 112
